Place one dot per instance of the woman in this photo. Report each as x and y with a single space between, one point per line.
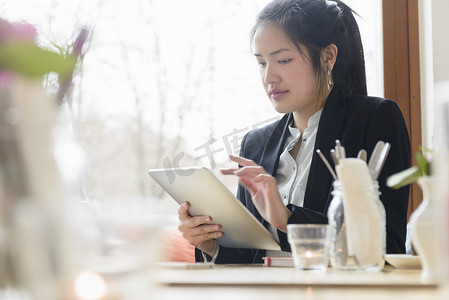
312 68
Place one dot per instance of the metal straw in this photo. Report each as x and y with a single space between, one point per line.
334 157
326 163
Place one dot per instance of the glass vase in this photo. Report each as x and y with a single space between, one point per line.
340 256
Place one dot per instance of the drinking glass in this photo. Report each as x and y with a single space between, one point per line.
310 245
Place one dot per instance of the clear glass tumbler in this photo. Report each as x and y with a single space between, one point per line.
310 245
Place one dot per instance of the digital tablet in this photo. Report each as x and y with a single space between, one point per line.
209 197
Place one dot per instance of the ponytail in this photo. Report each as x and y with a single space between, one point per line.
349 69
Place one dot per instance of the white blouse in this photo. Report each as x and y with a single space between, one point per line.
292 172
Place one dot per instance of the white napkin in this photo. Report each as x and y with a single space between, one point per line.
363 221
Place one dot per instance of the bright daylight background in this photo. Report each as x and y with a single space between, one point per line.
165 78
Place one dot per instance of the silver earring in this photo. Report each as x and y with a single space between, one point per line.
330 81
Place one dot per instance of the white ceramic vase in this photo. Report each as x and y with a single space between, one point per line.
426 231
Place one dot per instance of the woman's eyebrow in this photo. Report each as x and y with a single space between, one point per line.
274 52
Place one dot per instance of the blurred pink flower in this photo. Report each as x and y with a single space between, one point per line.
16 32
6 77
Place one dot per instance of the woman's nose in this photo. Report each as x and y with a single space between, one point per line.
270 74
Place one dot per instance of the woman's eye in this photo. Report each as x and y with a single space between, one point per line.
284 61
262 64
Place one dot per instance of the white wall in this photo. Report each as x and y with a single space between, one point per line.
434 45
440 36
441 69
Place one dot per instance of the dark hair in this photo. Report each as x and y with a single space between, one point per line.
315 24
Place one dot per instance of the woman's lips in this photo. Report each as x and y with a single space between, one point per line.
277 94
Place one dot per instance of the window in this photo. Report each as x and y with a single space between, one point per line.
166 80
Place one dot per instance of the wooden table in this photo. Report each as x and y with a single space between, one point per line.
259 282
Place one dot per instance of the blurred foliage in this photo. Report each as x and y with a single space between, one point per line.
20 54
30 60
423 160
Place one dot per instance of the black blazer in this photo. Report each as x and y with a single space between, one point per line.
358 122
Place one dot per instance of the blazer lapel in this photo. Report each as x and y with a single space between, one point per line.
329 130
270 155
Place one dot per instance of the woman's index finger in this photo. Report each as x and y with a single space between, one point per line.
242 161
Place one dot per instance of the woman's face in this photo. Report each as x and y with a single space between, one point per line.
287 76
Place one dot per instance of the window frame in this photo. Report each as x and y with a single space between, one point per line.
400 21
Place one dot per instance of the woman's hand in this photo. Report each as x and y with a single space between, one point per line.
264 191
195 230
